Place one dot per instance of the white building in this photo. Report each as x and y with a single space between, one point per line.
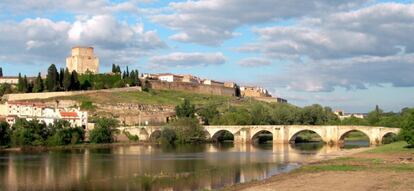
48 115
342 115
169 78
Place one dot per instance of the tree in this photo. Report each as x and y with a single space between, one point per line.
407 126
186 109
104 131
5 89
4 133
74 81
20 83
113 68
38 84
52 79
1 72
373 117
188 130
25 85
208 114
67 80
61 77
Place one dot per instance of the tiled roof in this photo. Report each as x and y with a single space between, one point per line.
68 114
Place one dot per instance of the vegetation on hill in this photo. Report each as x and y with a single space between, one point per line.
64 80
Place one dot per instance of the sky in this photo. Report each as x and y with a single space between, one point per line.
346 54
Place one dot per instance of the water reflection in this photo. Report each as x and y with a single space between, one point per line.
186 167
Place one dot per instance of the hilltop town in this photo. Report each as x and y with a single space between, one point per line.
34 98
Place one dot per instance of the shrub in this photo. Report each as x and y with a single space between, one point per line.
168 135
133 138
104 131
188 130
4 133
407 127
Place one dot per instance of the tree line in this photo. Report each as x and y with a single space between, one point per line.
65 80
37 133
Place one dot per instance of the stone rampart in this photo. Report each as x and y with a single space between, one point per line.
47 95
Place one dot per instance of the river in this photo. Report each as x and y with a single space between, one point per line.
153 167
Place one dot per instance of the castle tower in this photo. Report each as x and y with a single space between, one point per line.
82 59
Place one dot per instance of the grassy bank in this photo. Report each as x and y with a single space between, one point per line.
391 162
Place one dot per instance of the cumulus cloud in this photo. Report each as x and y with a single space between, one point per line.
378 30
351 49
254 62
210 22
181 59
352 73
42 40
73 6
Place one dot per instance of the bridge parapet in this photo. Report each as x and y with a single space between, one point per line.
281 133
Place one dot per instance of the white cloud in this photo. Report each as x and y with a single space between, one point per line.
210 22
254 62
355 49
88 7
181 59
45 41
352 73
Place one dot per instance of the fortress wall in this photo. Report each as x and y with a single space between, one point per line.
46 95
192 87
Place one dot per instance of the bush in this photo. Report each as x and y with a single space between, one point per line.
104 131
188 130
168 135
133 138
407 126
87 105
4 133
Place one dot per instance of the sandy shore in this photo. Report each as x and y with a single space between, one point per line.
355 169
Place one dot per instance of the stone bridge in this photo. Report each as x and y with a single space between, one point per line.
280 133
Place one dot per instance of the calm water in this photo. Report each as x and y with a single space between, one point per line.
191 167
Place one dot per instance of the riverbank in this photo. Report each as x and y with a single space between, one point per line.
387 167
75 146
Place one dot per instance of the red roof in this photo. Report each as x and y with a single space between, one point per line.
68 114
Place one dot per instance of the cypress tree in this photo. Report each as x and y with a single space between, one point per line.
118 69
113 68
1 72
38 85
61 77
25 85
52 79
67 80
20 83
74 81
127 72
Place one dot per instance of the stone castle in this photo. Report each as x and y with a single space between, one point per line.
82 60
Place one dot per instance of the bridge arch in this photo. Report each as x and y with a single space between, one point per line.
155 134
388 137
218 135
256 135
293 138
343 135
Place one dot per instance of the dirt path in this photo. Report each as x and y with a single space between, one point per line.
358 171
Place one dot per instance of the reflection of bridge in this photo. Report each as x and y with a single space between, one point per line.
280 133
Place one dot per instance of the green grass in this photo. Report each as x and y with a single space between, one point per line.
375 163
159 97
392 148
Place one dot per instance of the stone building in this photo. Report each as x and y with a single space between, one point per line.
254 92
82 60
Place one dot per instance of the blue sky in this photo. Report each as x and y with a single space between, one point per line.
348 55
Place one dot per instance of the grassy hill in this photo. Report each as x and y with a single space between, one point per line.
158 97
